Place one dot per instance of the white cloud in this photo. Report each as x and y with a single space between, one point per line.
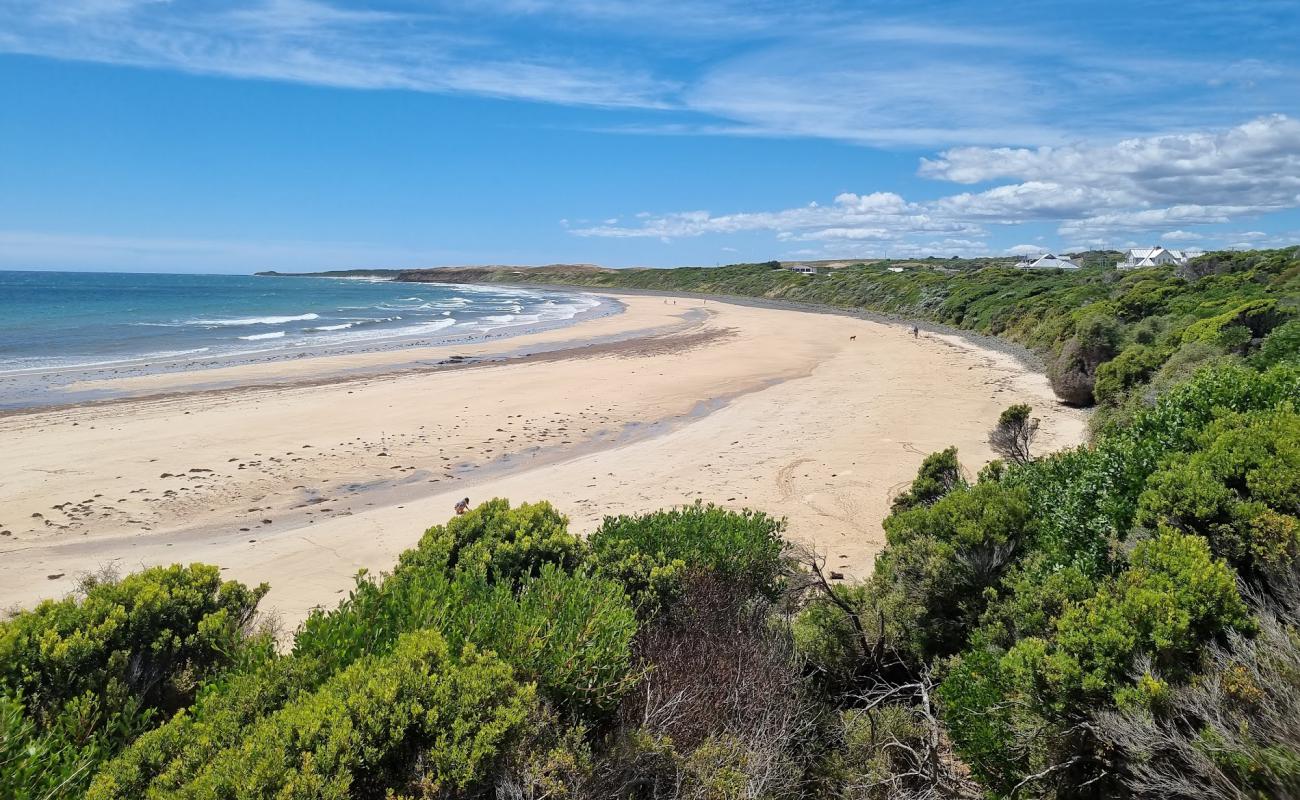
1254 164
1024 250
1140 184
879 216
1153 219
1030 200
315 42
1144 186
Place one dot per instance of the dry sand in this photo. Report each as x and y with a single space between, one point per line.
300 474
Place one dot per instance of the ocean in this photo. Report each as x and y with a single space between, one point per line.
69 321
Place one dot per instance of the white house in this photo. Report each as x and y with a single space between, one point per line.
1156 256
1047 261
802 269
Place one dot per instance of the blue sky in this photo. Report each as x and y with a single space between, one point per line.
190 135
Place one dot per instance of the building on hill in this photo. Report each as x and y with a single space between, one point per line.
1047 261
802 269
1156 256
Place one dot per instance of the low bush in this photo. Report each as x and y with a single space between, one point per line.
82 677
151 636
1281 346
415 719
1240 489
652 555
939 474
499 542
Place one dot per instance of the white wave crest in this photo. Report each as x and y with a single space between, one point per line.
224 323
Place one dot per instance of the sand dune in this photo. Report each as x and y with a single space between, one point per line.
301 473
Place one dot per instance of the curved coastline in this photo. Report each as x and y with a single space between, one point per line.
305 479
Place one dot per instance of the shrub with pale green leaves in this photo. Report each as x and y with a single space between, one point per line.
652 554
81 677
503 543
1240 489
416 718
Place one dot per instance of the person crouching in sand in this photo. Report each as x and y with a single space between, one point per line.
462 507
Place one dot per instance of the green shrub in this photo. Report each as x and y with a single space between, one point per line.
1084 501
833 649
1232 732
1282 345
569 633
939 474
499 578
1240 489
1174 598
1031 598
413 718
39 763
984 723
652 554
150 636
169 755
1130 368
502 543
80 678
1233 329
496 582
1014 713
1147 298
1149 330
941 559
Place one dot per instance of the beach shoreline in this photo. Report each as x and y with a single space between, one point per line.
301 473
37 387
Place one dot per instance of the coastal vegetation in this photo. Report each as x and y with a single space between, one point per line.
1117 620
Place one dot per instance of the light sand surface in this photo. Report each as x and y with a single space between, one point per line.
300 474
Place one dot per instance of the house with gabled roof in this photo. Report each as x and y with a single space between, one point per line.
1156 256
1047 261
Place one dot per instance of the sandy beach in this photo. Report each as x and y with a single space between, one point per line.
301 473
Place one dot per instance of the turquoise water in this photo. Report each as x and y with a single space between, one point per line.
69 320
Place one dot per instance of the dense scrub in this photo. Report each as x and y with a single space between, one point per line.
1065 604
1118 620
81 677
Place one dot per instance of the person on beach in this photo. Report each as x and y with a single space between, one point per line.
462 507
916 332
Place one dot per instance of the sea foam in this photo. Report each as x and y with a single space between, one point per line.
231 323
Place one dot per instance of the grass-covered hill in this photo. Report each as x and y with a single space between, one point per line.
1112 337
1118 620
